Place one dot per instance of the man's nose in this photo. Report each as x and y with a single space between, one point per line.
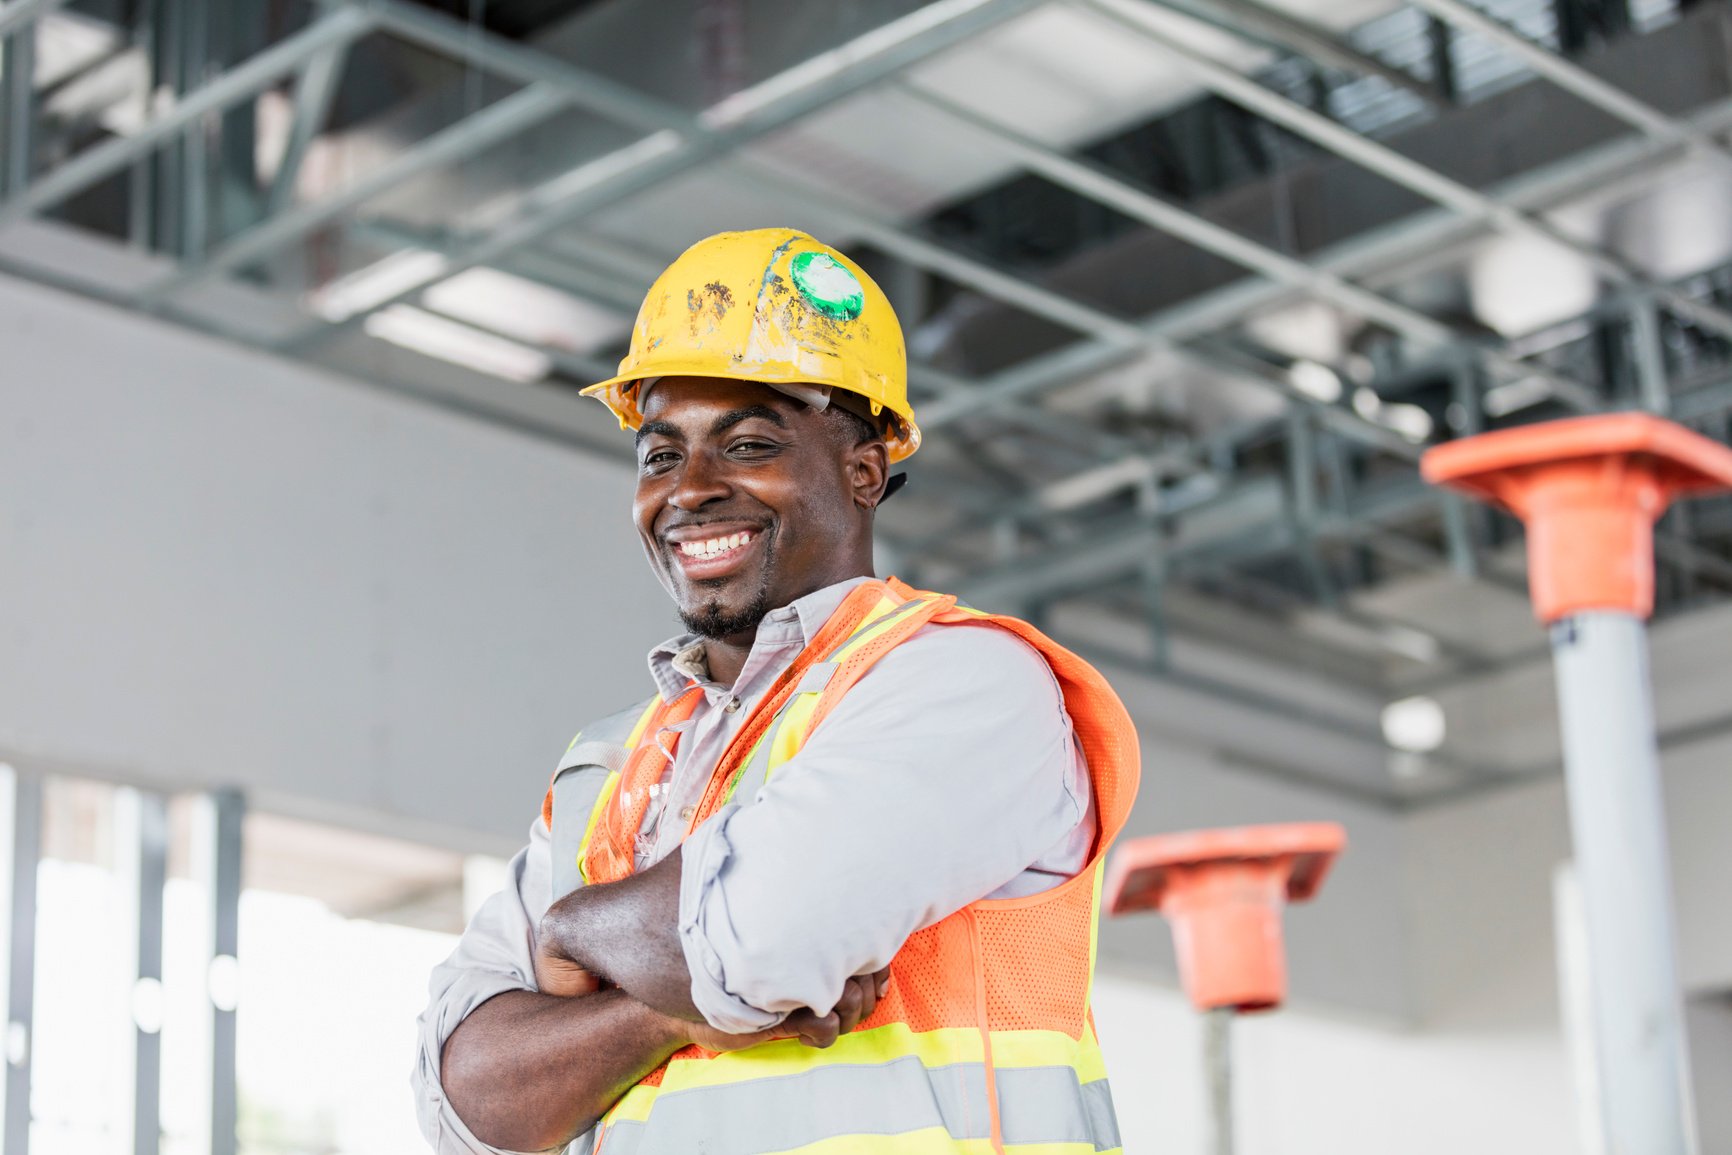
701 481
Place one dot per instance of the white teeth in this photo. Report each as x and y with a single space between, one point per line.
714 545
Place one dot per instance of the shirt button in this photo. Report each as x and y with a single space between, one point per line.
733 704
686 813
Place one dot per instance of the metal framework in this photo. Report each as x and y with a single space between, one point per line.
1097 509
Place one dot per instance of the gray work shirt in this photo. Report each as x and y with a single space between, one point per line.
949 773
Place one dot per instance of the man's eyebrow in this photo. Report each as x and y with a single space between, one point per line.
651 428
745 413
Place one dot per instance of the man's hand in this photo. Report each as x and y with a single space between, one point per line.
556 972
557 975
860 996
560 976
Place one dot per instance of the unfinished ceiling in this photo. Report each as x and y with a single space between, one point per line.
1188 285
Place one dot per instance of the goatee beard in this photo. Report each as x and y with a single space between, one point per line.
712 621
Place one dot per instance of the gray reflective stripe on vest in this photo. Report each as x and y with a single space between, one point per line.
596 752
782 1112
1046 1105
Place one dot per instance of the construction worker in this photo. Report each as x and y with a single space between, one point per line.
834 887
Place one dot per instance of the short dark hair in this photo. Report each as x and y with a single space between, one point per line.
852 426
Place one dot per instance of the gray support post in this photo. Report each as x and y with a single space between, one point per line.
228 810
1576 1004
141 855
1218 1077
23 802
1618 826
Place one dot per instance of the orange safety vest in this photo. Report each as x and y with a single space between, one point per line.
984 1042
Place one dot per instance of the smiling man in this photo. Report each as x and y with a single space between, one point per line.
833 887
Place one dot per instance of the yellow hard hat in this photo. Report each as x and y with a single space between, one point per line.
773 306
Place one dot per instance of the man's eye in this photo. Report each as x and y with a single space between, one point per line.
750 445
657 458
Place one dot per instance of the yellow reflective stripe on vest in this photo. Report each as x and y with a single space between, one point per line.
643 722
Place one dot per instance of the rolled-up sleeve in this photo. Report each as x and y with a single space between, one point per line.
943 775
495 954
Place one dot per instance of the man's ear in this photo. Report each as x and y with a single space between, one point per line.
869 472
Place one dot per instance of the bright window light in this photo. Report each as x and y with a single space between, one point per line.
461 344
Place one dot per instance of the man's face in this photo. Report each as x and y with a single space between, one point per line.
746 500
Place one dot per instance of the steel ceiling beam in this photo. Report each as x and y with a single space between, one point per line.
683 142
1096 183
1578 81
20 13
1367 255
315 92
526 63
1240 89
18 107
1114 336
239 83
475 133
1303 39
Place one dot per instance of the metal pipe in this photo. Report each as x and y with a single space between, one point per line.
244 80
1617 823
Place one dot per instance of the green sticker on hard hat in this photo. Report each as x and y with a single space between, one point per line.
829 285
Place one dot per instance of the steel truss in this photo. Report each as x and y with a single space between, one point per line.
1320 439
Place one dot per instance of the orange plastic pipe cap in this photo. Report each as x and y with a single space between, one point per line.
1222 891
1589 490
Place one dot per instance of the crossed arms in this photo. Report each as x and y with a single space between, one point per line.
946 775
530 1070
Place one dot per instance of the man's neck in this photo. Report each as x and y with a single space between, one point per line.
726 657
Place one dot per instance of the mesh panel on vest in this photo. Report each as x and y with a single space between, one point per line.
1025 950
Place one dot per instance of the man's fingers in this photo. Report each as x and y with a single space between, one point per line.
850 1008
868 985
881 982
813 1030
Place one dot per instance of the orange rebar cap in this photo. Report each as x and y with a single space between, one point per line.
1223 891
1589 490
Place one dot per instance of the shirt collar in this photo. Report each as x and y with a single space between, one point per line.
679 661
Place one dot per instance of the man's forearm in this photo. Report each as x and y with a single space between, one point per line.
529 1072
628 933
